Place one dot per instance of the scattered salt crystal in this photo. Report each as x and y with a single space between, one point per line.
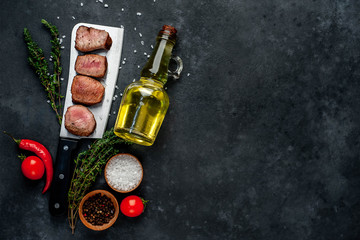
122 9
116 86
122 26
124 59
154 0
140 34
62 47
188 74
73 17
58 17
142 42
138 66
121 94
135 51
61 79
60 41
114 112
81 4
116 96
89 146
50 59
48 101
119 67
145 53
134 28
148 56
165 88
124 172
152 46
63 36
134 80
101 1
106 5
138 13
123 62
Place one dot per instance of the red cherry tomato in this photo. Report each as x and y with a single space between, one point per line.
132 206
33 168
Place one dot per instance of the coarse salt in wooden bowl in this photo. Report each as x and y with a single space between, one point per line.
105 225
123 173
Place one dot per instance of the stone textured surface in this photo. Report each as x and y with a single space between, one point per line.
261 140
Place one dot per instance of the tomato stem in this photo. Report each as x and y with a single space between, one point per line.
15 140
145 202
22 157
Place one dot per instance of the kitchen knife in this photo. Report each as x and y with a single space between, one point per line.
68 142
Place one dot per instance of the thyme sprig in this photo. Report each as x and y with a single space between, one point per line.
88 165
51 82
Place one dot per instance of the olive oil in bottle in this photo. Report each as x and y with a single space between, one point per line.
145 102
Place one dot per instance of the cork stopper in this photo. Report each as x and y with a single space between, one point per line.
168 31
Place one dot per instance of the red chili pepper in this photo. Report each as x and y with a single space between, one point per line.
42 153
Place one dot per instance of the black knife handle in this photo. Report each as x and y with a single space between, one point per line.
62 176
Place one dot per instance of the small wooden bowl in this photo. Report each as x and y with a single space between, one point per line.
122 154
106 225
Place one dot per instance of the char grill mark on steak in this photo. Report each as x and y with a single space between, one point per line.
90 39
92 65
86 90
79 120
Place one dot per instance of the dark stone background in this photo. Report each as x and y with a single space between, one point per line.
261 140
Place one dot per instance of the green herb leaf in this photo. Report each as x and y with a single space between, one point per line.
88 165
50 81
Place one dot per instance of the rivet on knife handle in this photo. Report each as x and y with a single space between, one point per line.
63 172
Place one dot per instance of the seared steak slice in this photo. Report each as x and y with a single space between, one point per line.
90 39
79 120
86 90
92 65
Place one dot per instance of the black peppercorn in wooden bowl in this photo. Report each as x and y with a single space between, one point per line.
98 210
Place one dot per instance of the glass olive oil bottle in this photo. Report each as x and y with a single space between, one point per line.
145 102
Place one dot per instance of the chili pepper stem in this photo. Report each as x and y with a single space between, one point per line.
15 140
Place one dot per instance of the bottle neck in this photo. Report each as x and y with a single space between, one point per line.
157 66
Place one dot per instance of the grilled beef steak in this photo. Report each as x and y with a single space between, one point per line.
86 90
90 39
79 120
92 65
